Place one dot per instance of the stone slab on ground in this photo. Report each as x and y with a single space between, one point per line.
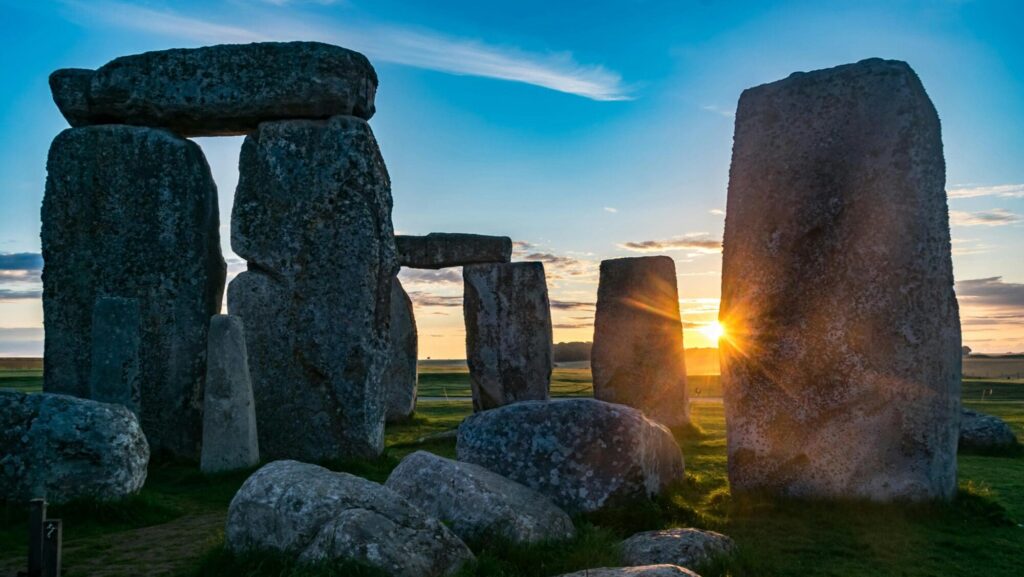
63 448
583 454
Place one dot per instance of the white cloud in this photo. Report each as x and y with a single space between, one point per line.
715 109
417 48
994 217
611 209
717 212
1000 190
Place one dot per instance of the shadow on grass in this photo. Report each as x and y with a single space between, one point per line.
220 562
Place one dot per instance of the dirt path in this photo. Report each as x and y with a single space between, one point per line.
157 550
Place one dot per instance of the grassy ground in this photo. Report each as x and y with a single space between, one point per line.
175 526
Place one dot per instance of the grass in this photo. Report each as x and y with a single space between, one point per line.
979 533
23 380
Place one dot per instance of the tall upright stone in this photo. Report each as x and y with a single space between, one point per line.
132 212
229 413
508 333
312 216
400 378
842 367
116 346
638 358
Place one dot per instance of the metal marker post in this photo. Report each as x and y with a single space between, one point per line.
36 517
52 538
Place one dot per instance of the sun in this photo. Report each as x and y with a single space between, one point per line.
713 331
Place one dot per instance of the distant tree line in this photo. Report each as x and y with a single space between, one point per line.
572 352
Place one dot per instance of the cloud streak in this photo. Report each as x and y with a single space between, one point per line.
999 190
687 243
21 261
425 49
994 217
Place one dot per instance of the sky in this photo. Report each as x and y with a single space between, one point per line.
583 131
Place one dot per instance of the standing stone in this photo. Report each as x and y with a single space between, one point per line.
446 249
116 344
229 414
637 358
64 448
219 90
508 333
312 217
400 377
842 369
132 212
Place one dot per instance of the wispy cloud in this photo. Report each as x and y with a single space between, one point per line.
691 243
571 305
436 278
611 209
1000 190
992 292
994 217
19 295
419 48
717 212
715 109
425 299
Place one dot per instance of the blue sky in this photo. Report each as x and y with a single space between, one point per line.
583 130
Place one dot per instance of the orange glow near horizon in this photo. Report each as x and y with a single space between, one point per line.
714 331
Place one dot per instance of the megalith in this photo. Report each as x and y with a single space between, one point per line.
842 361
116 345
508 333
219 90
446 249
312 216
132 212
637 358
400 378
229 413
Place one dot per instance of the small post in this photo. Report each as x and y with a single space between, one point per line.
52 538
36 518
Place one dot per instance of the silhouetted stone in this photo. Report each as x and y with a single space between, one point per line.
312 216
476 503
445 249
842 367
317 515
637 358
400 378
132 212
508 333
219 90
229 414
116 347
584 454
62 448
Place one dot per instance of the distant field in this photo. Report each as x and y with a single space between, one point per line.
1007 367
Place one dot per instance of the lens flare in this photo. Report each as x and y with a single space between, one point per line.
713 331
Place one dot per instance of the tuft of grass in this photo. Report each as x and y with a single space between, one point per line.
592 547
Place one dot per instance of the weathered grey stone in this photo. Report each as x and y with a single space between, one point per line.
842 370
476 503
508 333
445 249
62 448
584 454
643 571
637 358
316 514
685 547
132 212
400 378
219 90
229 413
981 432
116 346
312 216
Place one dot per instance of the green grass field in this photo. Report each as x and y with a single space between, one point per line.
175 526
